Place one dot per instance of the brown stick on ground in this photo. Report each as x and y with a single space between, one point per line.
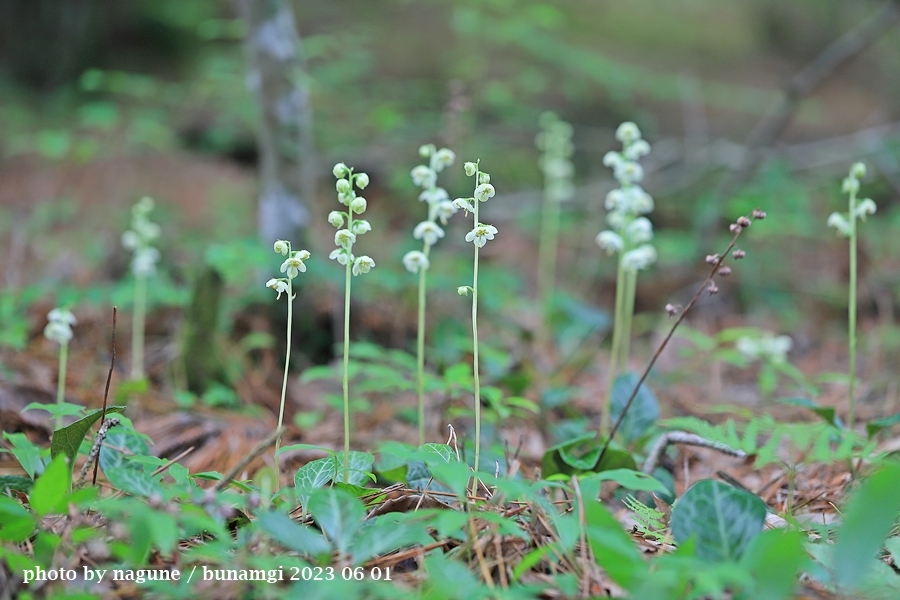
257 450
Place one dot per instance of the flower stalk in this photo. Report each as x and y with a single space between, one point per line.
59 330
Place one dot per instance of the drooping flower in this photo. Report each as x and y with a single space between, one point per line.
363 264
415 260
481 234
429 232
279 285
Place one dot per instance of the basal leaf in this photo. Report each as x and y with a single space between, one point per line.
127 476
360 468
313 475
68 439
722 519
644 409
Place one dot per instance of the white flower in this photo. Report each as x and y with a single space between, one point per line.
143 206
293 266
58 331
484 191
282 247
639 201
839 222
463 290
144 261
336 218
361 226
636 150
343 186
858 170
464 204
627 133
615 200
443 158
610 241
362 180
358 205
557 167
415 260
302 254
640 258
639 231
615 219
346 199
433 195
481 234
61 315
279 285
344 238
470 168
612 159
851 185
484 177
444 211
864 208
426 150
429 232
765 346
146 230
423 176
340 170
363 264
130 240
341 255
628 171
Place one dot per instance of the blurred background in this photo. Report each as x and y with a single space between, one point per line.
204 104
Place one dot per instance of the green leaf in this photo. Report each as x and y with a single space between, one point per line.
581 454
49 492
874 426
27 453
63 409
826 413
722 518
441 452
339 514
633 480
773 559
612 547
292 535
454 475
868 518
15 483
68 439
16 522
126 475
313 475
644 410
387 533
360 467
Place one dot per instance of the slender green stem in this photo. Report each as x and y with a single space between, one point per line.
346 378
627 317
475 343
287 361
615 351
851 314
420 350
137 326
61 381
547 254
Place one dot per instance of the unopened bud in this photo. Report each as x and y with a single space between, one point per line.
725 271
738 254
673 309
743 221
758 214
713 288
734 228
712 258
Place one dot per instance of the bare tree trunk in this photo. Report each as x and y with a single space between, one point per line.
276 73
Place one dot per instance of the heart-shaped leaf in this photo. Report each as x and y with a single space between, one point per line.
339 514
314 475
722 518
292 535
644 409
67 440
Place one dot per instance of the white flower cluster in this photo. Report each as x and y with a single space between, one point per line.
439 206
766 347
138 239
59 326
555 143
292 266
348 227
630 231
481 233
861 209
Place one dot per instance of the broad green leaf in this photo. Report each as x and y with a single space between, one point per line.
49 492
339 514
387 533
294 447
359 470
773 559
581 454
633 480
126 475
868 518
876 425
63 409
16 522
454 475
292 535
27 453
613 549
644 409
313 475
15 483
722 518
441 452
68 439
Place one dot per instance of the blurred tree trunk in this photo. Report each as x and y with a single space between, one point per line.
276 73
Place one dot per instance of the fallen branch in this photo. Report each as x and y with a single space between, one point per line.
689 439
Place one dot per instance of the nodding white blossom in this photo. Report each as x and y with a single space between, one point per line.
629 171
610 241
336 218
858 170
612 159
639 231
279 285
138 239
341 255
343 186
282 247
59 326
359 205
432 195
638 149
426 150
850 185
144 261
362 180
466 204
130 240
363 264
293 266
864 208
839 222
340 170
463 290
423 176
470 168
444 210
344 238
765 346
361 226
627 133
442 159
481 234
415 260
429 232
640 258
484 191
